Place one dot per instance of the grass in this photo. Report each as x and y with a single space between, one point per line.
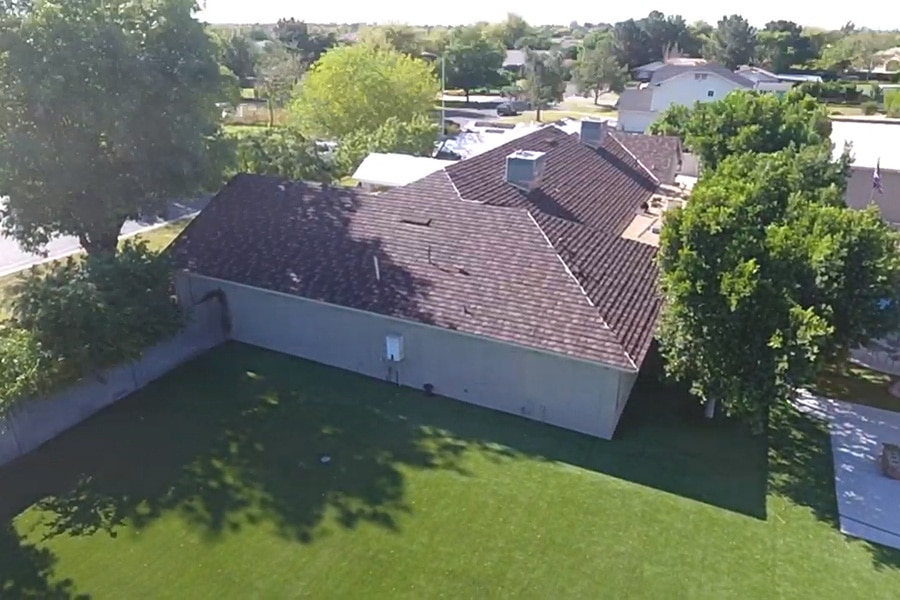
857 384
847 110
210 484
157 239
577 111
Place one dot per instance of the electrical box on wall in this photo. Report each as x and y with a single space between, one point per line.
394 347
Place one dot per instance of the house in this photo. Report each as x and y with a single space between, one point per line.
387 170
682 84
522 279
644 73
765 81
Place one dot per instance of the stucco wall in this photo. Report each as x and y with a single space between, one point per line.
636 121
36 421
569 393
686 90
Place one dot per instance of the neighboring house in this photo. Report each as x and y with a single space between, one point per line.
521 280
644 73
380 170
681 84
765 81
871 143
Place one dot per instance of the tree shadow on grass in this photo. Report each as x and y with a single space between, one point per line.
802 469
28 571
239 437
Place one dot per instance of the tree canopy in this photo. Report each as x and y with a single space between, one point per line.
356 89
732 43
747 122
599 70
764 255
308 45
107 109
473 61
545 79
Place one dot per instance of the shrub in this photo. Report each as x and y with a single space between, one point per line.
869 107
76 317
892 103
280 151
832 91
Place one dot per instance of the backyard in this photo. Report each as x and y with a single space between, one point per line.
252 474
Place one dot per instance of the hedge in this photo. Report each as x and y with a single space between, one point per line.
76 317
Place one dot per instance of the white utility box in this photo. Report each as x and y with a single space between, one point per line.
393 347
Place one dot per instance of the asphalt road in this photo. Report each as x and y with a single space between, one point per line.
13 258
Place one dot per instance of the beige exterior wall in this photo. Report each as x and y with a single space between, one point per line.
569 393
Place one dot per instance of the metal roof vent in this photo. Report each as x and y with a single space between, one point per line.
524 169
593 133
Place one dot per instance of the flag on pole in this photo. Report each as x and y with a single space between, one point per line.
876 178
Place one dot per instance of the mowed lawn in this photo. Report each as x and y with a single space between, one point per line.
250 474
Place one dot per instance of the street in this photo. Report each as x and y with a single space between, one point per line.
13 258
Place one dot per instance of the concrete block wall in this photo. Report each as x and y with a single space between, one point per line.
38 420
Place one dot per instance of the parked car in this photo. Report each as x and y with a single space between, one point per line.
506 109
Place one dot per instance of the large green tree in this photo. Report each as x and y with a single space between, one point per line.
544 79
599 70
107 108
358 88
305 43
473 60
732 43
240 56
747 122
781 44
765 255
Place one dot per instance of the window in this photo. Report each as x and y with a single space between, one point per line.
710 94
700 76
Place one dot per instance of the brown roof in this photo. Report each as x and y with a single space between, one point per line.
661 154
319 243
546 269
585 201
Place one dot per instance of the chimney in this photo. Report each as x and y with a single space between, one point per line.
593 133
524 169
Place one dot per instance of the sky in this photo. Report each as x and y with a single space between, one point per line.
833 15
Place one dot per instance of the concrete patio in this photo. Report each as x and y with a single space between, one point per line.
868 502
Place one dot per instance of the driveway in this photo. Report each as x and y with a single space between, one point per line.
13 258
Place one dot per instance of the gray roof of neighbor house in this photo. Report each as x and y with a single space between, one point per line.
460 249
635 99
653 66
670 71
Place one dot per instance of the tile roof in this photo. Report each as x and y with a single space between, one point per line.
473 268
546 269
585 200
661 154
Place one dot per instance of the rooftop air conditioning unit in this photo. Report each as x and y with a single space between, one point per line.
593 133
525 168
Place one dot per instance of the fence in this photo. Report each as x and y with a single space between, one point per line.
39 420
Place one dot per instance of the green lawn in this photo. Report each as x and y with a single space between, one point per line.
550 115
209 484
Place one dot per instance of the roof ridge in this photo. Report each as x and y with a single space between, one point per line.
632 155
571 274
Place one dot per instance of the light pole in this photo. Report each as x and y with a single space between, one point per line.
431 56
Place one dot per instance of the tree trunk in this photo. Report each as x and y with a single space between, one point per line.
271 112
467 96
100 241
537 113
596 96
709 409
